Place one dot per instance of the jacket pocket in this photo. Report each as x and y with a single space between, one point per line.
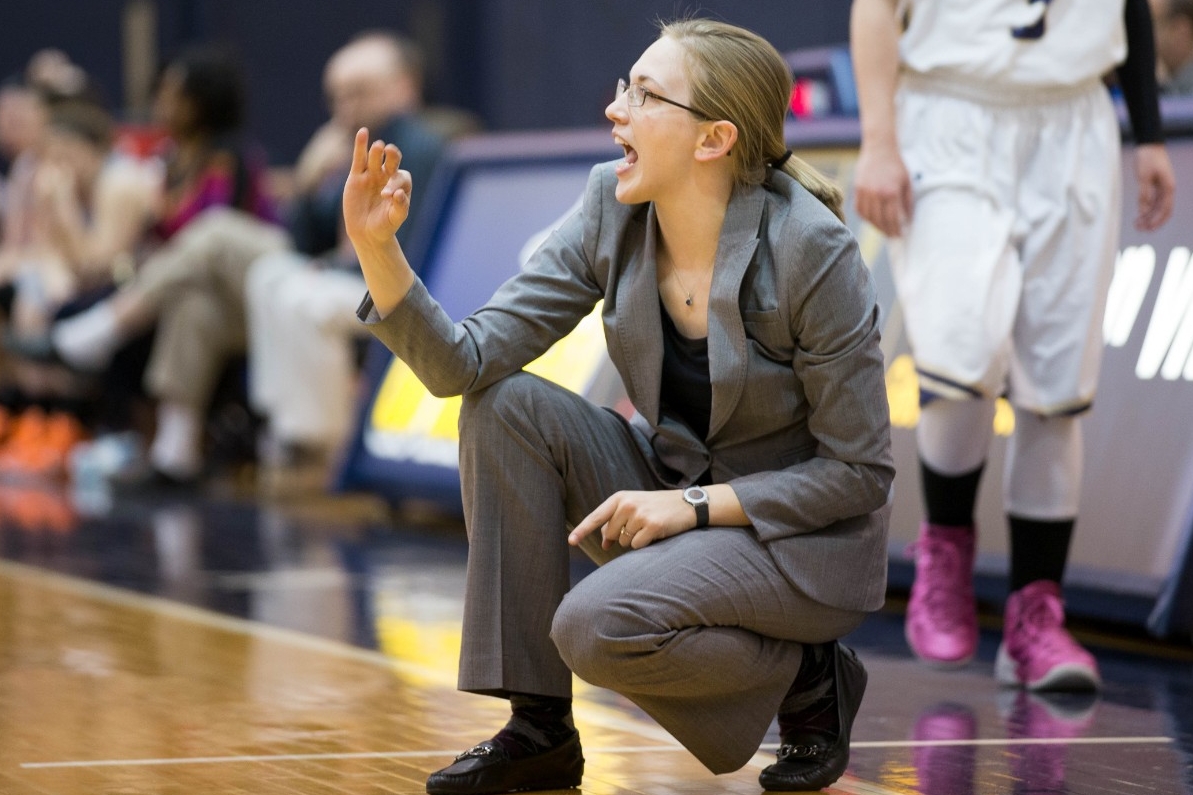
760 316
766 330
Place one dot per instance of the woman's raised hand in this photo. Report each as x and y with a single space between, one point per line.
377 193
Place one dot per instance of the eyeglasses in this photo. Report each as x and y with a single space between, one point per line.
636 94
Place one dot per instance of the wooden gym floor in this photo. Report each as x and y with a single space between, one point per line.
234 645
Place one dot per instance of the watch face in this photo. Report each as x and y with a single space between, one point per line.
695 495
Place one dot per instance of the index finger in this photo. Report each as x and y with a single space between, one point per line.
360 147
591 522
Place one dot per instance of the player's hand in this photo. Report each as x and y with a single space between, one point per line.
1157 185
882 189
634 519
376 194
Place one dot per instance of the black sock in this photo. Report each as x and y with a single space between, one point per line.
811 702
950 499
1039 549
539 723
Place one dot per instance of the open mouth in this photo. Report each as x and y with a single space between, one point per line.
631 157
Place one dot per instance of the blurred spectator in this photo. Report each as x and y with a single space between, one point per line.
195 289
1174 45
302 304
200 101
89 209
93 203
210 172
19 111
55 75
50 77
22 122
57 136
374 81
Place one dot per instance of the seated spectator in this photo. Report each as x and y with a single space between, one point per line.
23 114
65 184
195 290
1174 45
302 303
200 103
93 204
25 101
89 209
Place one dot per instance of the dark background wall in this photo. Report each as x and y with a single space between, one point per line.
517 64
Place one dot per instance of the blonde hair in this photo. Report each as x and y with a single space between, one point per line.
739 76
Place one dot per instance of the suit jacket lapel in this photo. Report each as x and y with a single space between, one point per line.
727 352
638 314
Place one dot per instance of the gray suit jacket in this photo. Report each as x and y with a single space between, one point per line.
800 423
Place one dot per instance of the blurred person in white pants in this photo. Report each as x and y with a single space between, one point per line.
302 357
301 304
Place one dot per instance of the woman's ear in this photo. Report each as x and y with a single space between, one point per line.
717 140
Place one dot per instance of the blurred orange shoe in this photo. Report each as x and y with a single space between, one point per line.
40 445
63 432
26 430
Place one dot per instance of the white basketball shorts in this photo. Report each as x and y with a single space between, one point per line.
1003 271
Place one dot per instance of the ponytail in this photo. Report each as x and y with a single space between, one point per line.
814 182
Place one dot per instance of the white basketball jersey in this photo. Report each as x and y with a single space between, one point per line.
1022 43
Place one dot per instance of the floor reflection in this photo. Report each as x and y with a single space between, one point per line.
346 570
943 758
1039 766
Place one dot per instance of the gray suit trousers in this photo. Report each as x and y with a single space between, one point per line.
701 630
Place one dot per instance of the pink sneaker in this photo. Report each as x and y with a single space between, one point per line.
942 619
1037 652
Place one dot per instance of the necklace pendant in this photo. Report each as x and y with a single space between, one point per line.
688 301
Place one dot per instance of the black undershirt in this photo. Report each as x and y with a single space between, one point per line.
687 389
1137 74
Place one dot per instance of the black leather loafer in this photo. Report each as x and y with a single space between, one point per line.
812 760
486 769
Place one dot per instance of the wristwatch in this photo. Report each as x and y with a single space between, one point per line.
698 499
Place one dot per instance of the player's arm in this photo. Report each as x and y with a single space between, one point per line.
1137 76
882 186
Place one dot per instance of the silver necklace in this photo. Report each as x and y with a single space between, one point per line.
682 286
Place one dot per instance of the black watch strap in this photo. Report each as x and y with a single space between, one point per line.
698 499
